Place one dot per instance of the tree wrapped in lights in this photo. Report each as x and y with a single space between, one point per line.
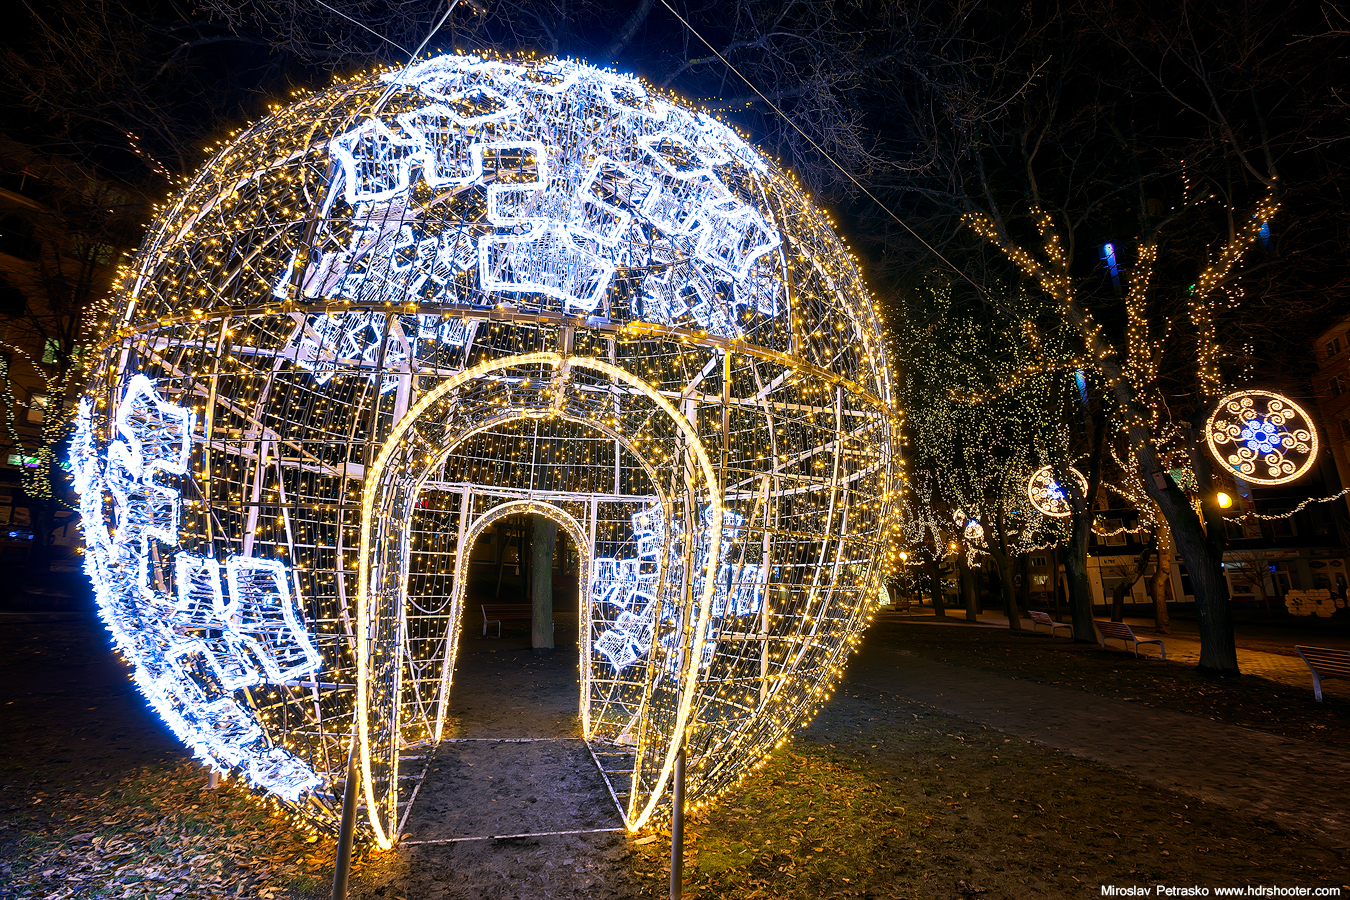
398 310
985 404
1133 186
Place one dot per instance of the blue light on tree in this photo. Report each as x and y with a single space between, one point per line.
1109 257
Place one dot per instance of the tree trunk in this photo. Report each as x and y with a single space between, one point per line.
1080 530
543 539
1024 568
1119 591
1218 651
1007 568
1162 583
935 587
1076 572
1005 565
1056 587
42 518
966 581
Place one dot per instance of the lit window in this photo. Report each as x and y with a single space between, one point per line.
37 408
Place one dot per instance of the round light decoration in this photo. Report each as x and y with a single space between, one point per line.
355 341
1048 496
1262 437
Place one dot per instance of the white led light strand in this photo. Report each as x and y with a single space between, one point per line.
192 647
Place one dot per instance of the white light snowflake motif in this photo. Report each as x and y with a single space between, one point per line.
1262 437
193 648
651 193
1048 496
631 586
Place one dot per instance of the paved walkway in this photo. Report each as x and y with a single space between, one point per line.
1183 645
1299 784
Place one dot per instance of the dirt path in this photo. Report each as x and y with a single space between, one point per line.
514 764
1300 784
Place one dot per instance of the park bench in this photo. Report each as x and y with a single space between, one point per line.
1040 618
509 613
1119 631
1324 663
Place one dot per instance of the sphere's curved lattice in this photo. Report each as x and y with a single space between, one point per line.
357 339
1262 437
1047 494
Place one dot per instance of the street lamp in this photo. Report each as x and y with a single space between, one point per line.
1225 501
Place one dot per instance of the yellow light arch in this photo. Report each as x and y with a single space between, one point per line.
374 477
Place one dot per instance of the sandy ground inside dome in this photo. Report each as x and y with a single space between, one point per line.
514 763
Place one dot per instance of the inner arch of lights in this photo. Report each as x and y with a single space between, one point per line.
357 339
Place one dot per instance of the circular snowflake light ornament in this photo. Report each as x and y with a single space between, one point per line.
1048 496
1262 437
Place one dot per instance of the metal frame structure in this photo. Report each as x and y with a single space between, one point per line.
359 337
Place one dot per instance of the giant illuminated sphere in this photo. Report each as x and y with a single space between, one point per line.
396 311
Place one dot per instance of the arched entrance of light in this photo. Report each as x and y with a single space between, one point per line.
579 537
528 385
653 476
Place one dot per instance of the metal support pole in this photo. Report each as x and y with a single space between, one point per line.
212 779
342 869
677 828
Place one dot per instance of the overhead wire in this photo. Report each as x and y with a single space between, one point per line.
821 150
358 23
398 82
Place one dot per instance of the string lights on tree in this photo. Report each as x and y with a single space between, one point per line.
397 311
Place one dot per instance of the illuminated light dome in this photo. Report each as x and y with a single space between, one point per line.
1262 437
359 339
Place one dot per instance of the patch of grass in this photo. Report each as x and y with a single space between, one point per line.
160 833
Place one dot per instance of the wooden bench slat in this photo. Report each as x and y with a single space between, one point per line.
1041 618
505 612
1119 631
1324 662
